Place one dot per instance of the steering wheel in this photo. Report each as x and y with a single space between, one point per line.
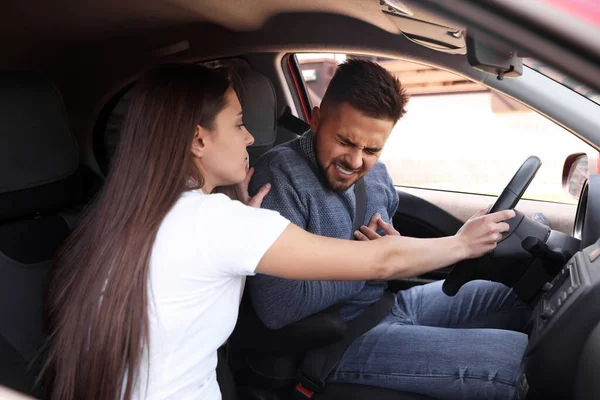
468 270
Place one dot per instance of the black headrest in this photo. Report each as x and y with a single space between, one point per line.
259 103
37 148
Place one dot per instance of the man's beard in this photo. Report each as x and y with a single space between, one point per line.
334 184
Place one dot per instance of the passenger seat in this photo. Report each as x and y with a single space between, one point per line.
264 363
259 103
257 96
38 179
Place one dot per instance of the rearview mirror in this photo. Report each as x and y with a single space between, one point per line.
493 58
575 172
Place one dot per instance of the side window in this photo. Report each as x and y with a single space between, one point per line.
458 135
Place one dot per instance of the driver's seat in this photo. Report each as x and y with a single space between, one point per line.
265 363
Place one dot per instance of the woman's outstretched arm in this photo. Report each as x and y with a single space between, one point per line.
300 255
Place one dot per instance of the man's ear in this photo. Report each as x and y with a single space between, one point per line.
199 142
315 119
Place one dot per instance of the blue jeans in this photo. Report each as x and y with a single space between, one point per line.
462 347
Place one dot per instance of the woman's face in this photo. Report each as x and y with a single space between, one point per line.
221 153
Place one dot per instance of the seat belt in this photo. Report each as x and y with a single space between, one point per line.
360 193
317 364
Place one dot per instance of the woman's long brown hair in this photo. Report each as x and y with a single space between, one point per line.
97 298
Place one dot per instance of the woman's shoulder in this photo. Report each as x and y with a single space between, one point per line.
211 217
196 213
195 204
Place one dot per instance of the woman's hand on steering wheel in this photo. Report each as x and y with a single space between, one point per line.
482 232
239 191
481 240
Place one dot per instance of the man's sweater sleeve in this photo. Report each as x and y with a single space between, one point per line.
279 302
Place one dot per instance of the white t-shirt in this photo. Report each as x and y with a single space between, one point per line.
203 248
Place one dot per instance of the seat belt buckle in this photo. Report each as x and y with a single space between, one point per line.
304 391
307 387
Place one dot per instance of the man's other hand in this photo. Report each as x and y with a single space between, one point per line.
370 232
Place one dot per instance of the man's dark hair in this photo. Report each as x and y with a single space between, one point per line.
369 88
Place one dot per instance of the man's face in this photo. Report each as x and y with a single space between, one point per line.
348 143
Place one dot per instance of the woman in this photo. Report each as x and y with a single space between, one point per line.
148 287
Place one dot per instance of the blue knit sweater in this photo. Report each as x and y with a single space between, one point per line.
300 194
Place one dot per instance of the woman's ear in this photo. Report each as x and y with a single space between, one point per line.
199 142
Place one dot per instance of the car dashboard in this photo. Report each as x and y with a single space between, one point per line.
561 360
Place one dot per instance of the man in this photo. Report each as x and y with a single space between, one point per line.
418 347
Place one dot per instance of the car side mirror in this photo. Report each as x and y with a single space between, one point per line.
576 171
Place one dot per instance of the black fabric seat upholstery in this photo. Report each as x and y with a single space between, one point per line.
38 180
259 104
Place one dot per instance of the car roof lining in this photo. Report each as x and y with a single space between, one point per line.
275 37
74 20
44 28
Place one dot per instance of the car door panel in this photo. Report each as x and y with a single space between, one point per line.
417 217
464 205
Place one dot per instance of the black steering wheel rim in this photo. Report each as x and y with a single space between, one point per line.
465 270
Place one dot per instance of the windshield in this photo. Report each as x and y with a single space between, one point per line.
587 10
562 79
